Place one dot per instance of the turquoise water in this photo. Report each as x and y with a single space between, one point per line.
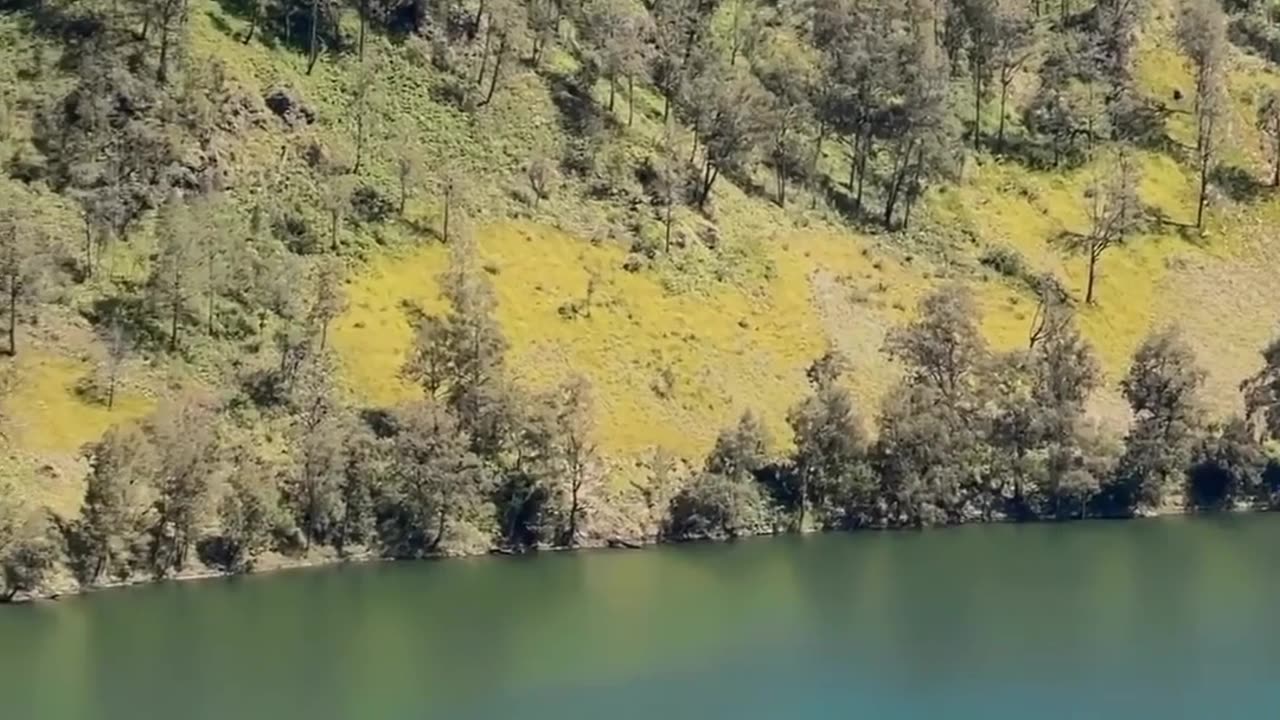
1170 618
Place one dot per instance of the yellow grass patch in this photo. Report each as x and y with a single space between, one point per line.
669 370
50 417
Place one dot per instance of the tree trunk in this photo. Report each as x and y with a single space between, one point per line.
253 22
1204 190
475 22
359 139
173 327
313 48
613 87
709 174
333 229
804 500
572 538
446 216
404 193
364 11
864 151
1275 177
484 56
631 99
977 109
13 317
781 171
162 66
913 190
88 247
497 69
667 247
1004 97
1093 271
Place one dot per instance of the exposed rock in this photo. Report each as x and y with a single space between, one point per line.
288 107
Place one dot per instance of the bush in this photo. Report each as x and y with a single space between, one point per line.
715 506
1004 260
369 205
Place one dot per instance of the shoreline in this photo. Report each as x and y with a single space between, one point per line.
280 563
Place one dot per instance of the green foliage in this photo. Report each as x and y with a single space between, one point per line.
109 536
248 515
715 506
1162 388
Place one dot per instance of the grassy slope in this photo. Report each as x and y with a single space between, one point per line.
734 326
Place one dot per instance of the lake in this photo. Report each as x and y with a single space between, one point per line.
1167 618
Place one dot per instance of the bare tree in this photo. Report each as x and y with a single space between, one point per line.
1202 34
542 178
22 268
1268 121
1114 215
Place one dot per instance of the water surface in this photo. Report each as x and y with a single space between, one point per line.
1169 618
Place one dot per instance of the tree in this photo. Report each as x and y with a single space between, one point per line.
617 31
1014 43
1268 122
108 537
712 505
1162 388
437 480
27 552
854 39
917 126
1202 34
1034 418
830 459
175 278
670 177
170 17
505 19
23 265
575 448
542 179
328 297
248 514
452 190
336 199
1115 213
1262 393
313 41
1117 23
312 491
930 452
460 356
732 130
186 448
743 450
983 31
1228 467
544 24
787 73
929 455
942 348
409 167
362 479
365 107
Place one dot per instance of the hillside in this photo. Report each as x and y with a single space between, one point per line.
676 342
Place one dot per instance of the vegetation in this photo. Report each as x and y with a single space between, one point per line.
203 246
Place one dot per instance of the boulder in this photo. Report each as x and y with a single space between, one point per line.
289 107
